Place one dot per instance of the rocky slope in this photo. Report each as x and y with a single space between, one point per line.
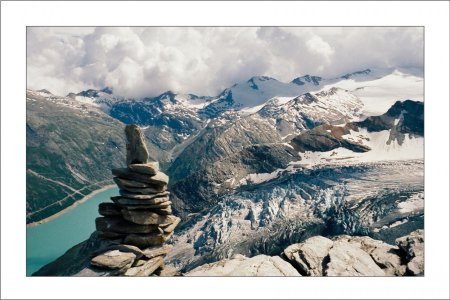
266 214
70 148
252 149
341 255
319 256
394 135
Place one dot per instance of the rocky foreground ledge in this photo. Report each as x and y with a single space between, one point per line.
317 256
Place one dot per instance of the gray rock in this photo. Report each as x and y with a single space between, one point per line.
416 266
163 205
146 217
109 209
137 152
93 271
412 246
157 251
138 263
146 240
125 201
118 225
385 255
121 182
144 191
110 235
349 260
309 255
126 194
162 211
150 168
125 249
167 271
159 178
171 227
147 268
113 259
260 265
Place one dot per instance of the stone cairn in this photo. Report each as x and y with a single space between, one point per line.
140 220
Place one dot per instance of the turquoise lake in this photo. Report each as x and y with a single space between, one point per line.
48 241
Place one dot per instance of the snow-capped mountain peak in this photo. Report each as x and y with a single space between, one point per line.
315 80
295 114
253 93
353 74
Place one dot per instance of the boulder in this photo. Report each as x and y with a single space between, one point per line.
113 259
146 240
412 246
145 188
132 183
309 255
260 265
385 256
163 205
124 248
159 178
157 251
146 217
137 152
129 195
109 209
144 191
171 227
118 225
162 211
167 271
346 259
138 202
147 268
110 235
138 263
150 168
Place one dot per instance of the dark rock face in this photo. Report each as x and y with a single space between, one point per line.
109 209
349 75
137 152
325 138
120 226
409 113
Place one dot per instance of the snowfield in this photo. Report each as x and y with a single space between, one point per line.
382 149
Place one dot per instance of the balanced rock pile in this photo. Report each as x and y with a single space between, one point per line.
138 221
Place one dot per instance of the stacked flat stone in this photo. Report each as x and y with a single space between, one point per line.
140 219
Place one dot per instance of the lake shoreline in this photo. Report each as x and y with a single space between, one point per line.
69 208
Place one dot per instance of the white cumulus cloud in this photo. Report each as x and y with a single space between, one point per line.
146 61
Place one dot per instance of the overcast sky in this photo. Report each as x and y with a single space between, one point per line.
147 61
